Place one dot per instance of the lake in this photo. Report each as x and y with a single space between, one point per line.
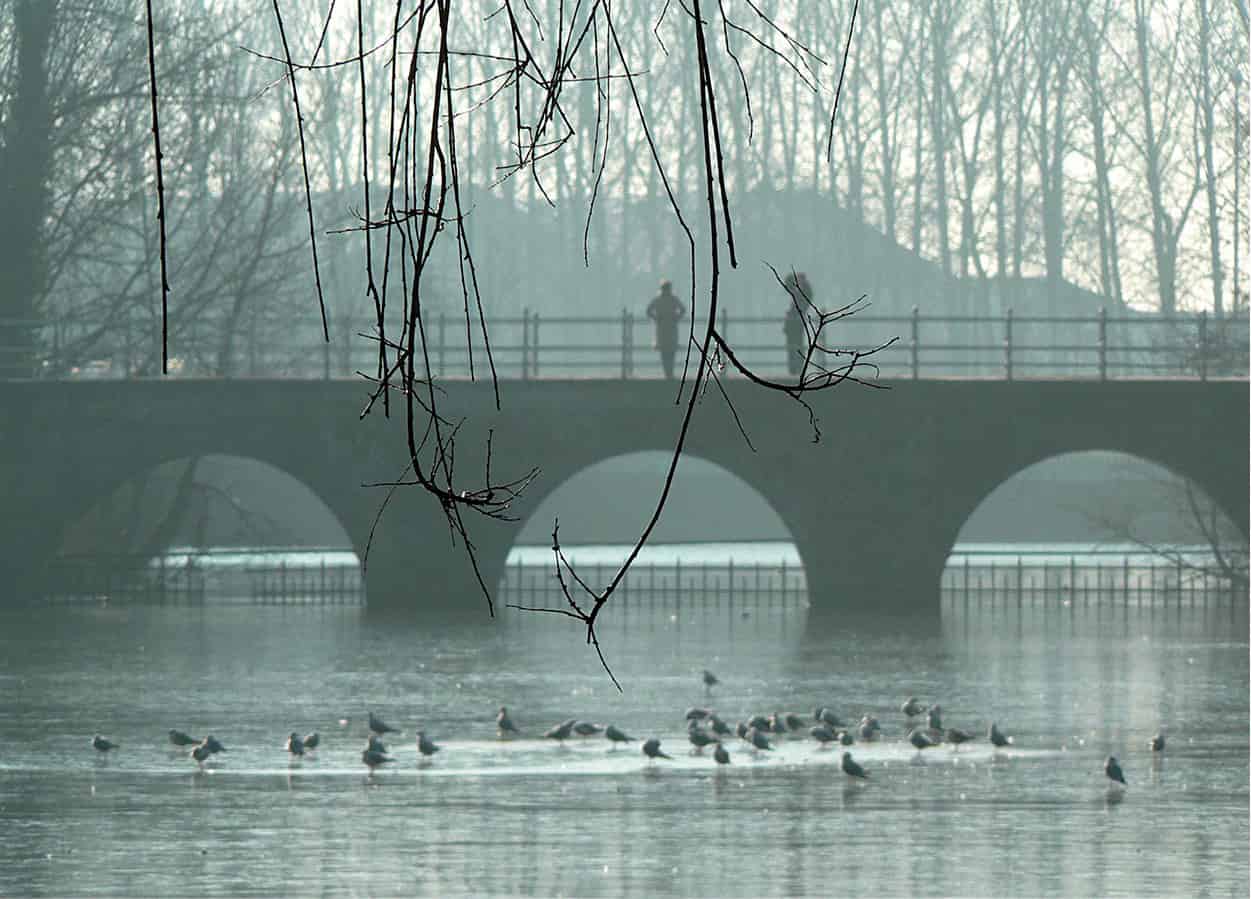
530 817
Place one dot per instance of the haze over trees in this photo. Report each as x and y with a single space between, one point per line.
1083 143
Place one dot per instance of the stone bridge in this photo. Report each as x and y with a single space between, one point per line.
874 507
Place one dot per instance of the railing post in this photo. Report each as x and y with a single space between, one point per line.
630 343
534 344
525 344
442 347
1203 345
253 364
325 360
1007 344
1103 343
916 342
625 343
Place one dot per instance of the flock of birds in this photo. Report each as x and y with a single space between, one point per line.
703 729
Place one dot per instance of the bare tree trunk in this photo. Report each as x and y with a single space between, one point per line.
918 174
1209 167
25 167
996 58
1161 223
886 176
939 36
1105 209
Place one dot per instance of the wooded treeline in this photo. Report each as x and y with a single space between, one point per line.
1091 144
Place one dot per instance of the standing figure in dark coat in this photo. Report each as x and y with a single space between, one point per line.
666 311
798 304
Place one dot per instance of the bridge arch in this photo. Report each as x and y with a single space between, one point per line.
1091 496
602 508
151 501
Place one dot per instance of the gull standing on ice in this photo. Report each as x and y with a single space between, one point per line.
651 749
852 768
1112 768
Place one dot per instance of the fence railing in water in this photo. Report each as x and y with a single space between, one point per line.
1121 580
709 586
153 580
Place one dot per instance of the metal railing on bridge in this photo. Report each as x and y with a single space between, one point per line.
532 345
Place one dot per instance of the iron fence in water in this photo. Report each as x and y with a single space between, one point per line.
156 580
668 587
1093 579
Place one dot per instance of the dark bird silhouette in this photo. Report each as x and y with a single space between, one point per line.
997 737
710 680
616 735
777 723
505 723
376 745
741 729
214 745
295 745
719 727
846 738
869 728
312 741
794 722
373 758
561 731
586 729
1112 768
178 738
721 755
911 707
852 768
758 740
827 717
699 739
425 745
201 754
697 714
651 749
935 718
1157 743
100 744
822 734
956 736
380 727
920 740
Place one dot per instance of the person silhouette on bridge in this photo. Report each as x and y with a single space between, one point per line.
666 311
798 308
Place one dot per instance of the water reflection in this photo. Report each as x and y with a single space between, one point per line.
524 817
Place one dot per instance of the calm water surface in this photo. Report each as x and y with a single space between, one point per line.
531 817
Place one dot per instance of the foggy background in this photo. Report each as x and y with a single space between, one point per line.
1046 156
